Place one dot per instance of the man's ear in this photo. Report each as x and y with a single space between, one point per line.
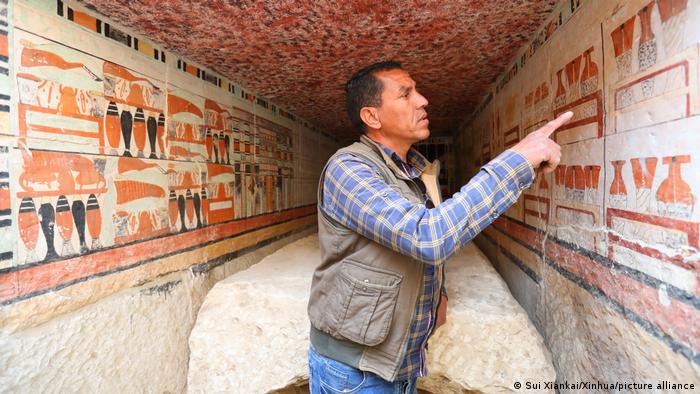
370 116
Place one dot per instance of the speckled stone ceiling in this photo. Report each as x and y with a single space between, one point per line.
300 53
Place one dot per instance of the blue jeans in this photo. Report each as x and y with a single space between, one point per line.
327 376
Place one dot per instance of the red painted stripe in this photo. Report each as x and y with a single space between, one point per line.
690 228
597 118
18 283
678 320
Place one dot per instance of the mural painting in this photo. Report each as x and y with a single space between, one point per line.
577 85
60 95
7 238
77 100
134 122
507 131
536 103
618 217
243 158
273 164
140 207
655 57
6 235
484 122
285 160
650 171
578 88
112 168
4 70
653 224
60 197
186 138
215 198
578 195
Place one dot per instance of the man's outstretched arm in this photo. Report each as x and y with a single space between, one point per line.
355 195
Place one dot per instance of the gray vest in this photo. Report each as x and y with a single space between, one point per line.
363 295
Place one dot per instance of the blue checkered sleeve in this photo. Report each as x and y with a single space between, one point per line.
356 196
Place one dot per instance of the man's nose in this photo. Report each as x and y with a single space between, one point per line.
421 101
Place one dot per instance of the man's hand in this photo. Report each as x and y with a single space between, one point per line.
441 311
542 152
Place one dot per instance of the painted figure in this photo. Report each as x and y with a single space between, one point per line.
28 224
674 196
622 44
643 170
617 195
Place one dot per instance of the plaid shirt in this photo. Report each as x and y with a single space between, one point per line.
356 196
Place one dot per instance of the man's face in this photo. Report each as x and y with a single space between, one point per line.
402 113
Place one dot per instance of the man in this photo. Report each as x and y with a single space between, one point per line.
378 294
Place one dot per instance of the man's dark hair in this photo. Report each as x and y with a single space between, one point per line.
365 90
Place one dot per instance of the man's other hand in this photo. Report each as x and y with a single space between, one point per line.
441 311
539 149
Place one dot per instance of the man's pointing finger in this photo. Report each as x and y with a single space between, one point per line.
552 126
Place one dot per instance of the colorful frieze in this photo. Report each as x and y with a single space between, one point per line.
5 82
484 122
60 94
563 11
535 100
134 120
618 215
140 210
73 204
536 109
219 132
61 199
651 216
7 239
76 102
79 16
654 72
186 139
198 72
535 93
576 79
578 195
507 129
36 279
109 167
220 194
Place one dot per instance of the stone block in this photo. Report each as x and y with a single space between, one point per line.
251 335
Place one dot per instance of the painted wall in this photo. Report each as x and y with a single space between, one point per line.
122 164
603 254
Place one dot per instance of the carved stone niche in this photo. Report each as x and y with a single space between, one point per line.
252 332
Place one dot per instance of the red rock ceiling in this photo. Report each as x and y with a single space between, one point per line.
300 53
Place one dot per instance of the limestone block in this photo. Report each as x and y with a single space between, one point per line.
132 341
251 335
587 336
252 332
488 342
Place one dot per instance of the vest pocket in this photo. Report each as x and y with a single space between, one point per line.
368 298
